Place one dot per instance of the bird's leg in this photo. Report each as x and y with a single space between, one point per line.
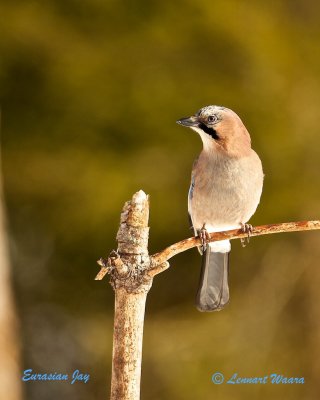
204 237
246 228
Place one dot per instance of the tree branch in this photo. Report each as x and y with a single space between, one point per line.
186 244
131 271
131 289
158 261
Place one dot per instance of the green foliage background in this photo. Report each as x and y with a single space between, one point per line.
90 93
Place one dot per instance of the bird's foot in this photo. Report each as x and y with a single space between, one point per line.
204 237
246 228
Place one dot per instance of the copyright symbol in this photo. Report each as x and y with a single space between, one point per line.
217 378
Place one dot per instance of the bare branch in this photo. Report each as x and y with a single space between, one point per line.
131 289
186 244
131 272
158 261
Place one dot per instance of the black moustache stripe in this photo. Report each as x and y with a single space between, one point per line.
210 131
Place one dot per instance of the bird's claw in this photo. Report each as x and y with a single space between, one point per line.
204 237
246 228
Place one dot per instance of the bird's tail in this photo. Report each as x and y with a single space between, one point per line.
213 291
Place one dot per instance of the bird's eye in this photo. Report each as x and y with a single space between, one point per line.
212 118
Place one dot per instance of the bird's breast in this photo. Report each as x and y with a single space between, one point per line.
225 192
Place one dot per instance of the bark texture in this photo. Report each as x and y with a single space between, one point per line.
131 272
127 269
186 244
127 344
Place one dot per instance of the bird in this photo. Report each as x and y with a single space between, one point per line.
226 186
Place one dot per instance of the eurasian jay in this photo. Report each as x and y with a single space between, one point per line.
226 186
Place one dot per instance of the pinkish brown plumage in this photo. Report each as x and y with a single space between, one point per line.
225 191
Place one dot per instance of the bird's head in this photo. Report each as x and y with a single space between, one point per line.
220 129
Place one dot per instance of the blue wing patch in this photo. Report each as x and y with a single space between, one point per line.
190 196
191 189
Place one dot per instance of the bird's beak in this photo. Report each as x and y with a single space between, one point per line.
189 121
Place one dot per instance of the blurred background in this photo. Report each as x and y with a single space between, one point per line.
90 92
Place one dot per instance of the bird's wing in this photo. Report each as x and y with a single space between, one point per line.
190 195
